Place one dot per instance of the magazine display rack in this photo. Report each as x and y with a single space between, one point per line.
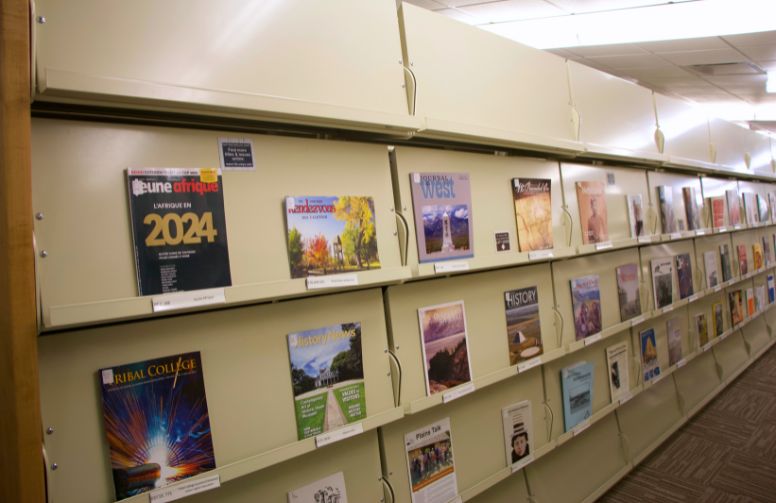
509 490
714 187
676 182
667 251
85 281
684 129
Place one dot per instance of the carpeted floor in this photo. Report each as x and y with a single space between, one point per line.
726 453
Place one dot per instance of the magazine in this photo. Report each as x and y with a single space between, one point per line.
692 207
736 307
178 229
662 281
763 211
772 205
518 434
628 291
757 257
586 304
712 271
330 235
665 198
771 289
717 211
327 377
533 212
701 329
717 319
649 359
619 371
684 275
592 212
635 215
750 208
445 346
742 260
767 251
734 207
156 422
524 332
577 385
443 215
329 489
759 298
674 335
751 303
430 463
724 259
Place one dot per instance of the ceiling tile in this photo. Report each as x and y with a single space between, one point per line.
749 39
738 80
428 4
460 16
511 10
607 50
690 44
759 52
631 61
577 6
666 71
767 65
715 56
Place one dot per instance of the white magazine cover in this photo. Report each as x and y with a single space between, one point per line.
430 463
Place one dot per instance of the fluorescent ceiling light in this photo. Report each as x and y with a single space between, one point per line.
704 18
770 84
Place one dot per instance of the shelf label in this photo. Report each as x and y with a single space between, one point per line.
458 265
706 347
738 226
529 364
603 246
722 229
693 298
668 309
185 489
337 435
540 254
593 338
675 235
700 232
318 282
638 319
626 396
183 300
717 288
645 239
681 363
458 392
580 427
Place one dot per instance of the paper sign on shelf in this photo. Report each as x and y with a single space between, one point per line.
341 434
675 235
593 338
337 280
668 309
185 489
700 232
645 239
638 319
603 246
183 300
529 364
693 298
236 154
463 389
681 363
626 397
722 229
458 265
706 346
540 254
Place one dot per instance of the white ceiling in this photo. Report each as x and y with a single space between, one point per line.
726 74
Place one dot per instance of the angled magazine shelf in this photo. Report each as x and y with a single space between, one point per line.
685 129
678 204
673 268
246 362
731 355
510 490
91 277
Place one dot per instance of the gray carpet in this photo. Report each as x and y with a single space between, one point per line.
726 453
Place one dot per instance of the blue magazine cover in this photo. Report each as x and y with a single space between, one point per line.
577 384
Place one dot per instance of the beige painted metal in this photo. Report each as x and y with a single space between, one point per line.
245 364
731 354
737 149
236 58
581 466
477 86
686 132
756 333
483 297
80 187
696 380
617 117
604 266
666 250
645 420
627 181
677 182
493 208
477 433
510 490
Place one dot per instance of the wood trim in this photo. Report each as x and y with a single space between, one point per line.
21 461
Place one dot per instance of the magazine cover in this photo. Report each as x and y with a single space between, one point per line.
759 298
712 271
586 303
327 376
750 208
619 372
524 332
736 307
767 251
717 319
674 334
430 463
665 198
762 209
443 215
533 213
649 359
724 260
717 211
178 229
772 205
156 422
592 212
635 215
518 434
662 281
742 260
445 350
684 275
329 489
628 291
701 329
757 257
330 235
692 207
751 303
734 207
771 289
577 385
